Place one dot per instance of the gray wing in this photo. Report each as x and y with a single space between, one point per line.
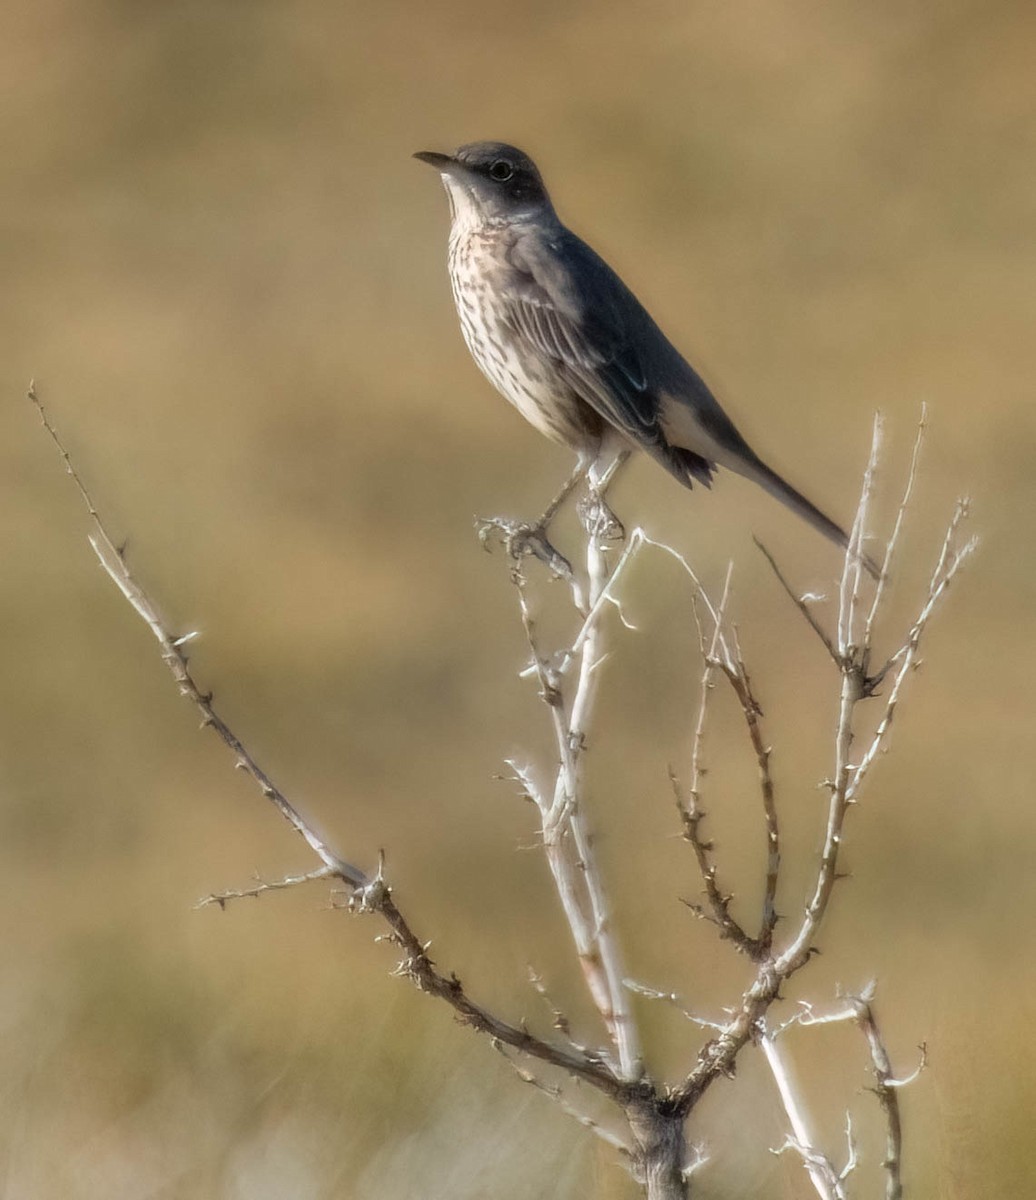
576 313
572 308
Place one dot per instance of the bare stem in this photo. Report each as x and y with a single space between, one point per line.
370 894
800 603
692 814
858 1010
821 1170
569 682
567 841
567 1106
850 654
886 1088
722 652
265 885
897 528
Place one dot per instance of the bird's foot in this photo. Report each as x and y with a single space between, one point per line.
600 523
520 538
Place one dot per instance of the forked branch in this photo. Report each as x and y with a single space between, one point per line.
851 653
564 829
569 680
827 1181
369 893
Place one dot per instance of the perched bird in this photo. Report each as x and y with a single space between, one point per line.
568 344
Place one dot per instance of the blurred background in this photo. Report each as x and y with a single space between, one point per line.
228 278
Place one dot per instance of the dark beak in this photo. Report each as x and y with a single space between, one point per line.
441 162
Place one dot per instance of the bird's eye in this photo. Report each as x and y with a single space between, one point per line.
501 170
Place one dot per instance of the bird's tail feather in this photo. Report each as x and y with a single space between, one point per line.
771 482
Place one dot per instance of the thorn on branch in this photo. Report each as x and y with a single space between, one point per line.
802 605
223 898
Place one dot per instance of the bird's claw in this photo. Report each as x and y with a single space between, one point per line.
599 521
519 538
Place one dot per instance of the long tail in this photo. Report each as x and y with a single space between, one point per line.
771 482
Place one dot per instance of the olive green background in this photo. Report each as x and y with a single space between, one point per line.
227 276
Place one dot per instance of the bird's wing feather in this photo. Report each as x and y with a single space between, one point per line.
576 313
571 318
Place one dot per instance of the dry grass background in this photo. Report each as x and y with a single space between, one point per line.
227 275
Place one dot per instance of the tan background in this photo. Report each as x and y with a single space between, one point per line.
227 275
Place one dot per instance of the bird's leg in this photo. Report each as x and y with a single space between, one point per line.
519 537
582 469
598 519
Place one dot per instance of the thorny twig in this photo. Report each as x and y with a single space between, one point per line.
853 650
825 1177
689 805
265 885
675 1000
655 1112
857 1009
897 528
886 1088
371 894
566 838
722 652
567 1106
800 602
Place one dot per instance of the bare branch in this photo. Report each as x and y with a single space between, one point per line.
826 1180
112 559
570 780
718 1056
822 1174
695 1161
569 680
566 839
691 812
737 675
682 561
852 570
673 999
557 1018
951 559
859 1011
852 1158
605 597
417 966
710 662
885 1088
263 885
555 1092
717 909
800 603
897 528
805 1017
949 565
722 652
370 894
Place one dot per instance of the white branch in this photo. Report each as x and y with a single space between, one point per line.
850 651
852 569
566 839
676 1001
885 1088
265 885
821 1170
570 1109
897 528
368 894
569 680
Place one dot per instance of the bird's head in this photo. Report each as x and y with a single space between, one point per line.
490 182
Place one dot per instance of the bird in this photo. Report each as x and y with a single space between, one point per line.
560 335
